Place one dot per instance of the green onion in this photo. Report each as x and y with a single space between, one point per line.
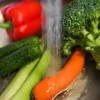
36 75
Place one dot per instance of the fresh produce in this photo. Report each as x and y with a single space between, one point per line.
6 50
20 57
36 75
22 19
18 80
81 27
52 85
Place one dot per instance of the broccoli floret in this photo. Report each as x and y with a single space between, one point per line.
81 27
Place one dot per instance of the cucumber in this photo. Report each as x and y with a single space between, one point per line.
16 45
20 57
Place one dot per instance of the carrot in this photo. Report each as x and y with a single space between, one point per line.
52 85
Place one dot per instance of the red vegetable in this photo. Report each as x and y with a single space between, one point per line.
50 86
22 19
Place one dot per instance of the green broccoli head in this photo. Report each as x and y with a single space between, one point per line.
79 14
81 26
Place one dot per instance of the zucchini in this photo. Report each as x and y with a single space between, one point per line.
6 50
20 57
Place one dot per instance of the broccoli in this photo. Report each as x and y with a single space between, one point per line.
81 27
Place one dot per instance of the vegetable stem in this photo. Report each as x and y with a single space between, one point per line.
34 78
6 25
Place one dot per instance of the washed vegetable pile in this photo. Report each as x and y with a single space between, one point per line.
27 55
81 27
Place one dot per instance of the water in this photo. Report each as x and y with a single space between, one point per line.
52 9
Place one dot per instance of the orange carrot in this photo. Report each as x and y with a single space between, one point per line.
52 85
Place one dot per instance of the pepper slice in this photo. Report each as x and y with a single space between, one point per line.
22 19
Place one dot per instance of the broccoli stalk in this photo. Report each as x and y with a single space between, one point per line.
81 27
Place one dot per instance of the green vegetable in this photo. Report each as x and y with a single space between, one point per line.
81 27
35 76
18 80
16 45
20 57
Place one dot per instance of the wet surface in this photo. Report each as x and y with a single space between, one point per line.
86 86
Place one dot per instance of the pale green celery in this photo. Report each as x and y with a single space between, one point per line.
36 75
18 80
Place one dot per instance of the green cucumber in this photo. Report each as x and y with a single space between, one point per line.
6 50
20 57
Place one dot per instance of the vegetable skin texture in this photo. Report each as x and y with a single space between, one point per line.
52 85
20 57
18 80
23 19
35 76
6 50
81 27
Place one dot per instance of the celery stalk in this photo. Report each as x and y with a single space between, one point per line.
36 75
18 80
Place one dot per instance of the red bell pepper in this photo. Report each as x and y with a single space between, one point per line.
22 19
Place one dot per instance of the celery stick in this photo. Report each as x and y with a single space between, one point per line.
36 75
18 80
